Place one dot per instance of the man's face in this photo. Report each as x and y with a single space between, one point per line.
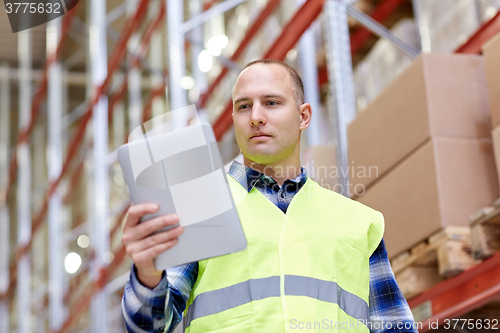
266 119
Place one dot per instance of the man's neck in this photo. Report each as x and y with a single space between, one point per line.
279 171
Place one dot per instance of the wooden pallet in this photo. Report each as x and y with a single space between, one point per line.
485 231
444 254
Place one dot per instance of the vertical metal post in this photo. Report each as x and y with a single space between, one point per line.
177 69
200 79
422 27
478 12
24 185
341 83
39 266
176 56
100 229
134 78
66 217
65 94
309 72
4 209
156 61
54 168
89 156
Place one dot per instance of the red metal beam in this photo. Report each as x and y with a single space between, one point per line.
135 62
481 36
76 176
382 12
84 302
156 92
271 5
459 295
289 36
38 98
118 222
360 35
74 283
117 96
292 32
77 279
146 38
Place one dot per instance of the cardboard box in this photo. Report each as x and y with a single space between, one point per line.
491 52
495 135
440 184
437 95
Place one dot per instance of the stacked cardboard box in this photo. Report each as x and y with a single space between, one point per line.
421 152
491 52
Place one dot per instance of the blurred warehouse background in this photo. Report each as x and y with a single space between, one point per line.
407 89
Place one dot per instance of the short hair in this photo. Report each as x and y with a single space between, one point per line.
298 87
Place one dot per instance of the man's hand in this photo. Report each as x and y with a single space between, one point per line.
142 246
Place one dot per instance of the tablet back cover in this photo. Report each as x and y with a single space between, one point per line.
182 171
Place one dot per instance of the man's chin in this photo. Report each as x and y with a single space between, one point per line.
261 158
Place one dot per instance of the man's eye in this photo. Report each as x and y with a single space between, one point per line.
241 107
272 103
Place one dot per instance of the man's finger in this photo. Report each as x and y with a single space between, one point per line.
153 252
135 212
149 227
161 237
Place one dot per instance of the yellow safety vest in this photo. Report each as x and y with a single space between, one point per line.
306 269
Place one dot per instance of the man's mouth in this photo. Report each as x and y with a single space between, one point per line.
260 137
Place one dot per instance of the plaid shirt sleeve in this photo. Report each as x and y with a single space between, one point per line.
159 309
389 311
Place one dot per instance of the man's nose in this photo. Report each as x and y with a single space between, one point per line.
257 115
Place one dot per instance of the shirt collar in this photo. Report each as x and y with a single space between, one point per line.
248 177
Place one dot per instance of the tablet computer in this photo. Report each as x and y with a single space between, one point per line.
182 171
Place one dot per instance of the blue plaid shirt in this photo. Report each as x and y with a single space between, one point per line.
160 309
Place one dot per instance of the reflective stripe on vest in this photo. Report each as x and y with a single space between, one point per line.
219 300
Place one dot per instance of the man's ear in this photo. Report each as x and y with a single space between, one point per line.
305 115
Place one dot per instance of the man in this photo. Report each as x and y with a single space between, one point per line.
315 260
